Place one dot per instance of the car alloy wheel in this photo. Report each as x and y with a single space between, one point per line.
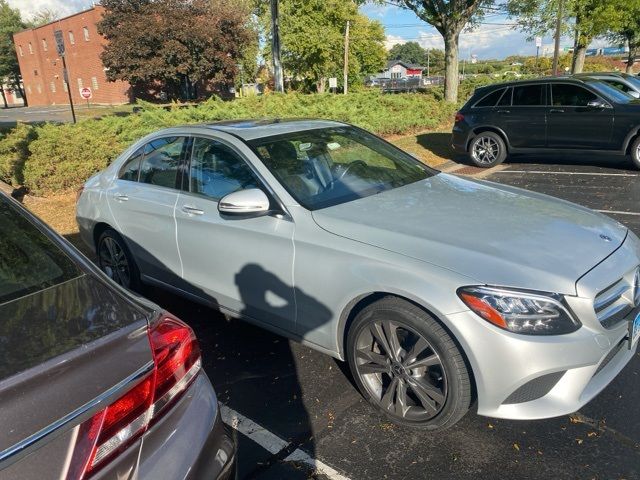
401 371
485 150
114 262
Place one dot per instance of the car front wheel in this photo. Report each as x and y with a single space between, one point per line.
406 365
487 149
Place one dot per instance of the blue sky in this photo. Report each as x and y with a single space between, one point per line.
493 39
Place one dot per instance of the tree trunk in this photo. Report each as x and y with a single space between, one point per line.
321 84
451 78
631 59
579 53
4 97
22 94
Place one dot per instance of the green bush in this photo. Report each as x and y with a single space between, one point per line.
62 157
14 152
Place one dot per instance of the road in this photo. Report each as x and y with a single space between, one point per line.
299 400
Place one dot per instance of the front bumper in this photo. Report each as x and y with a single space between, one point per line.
531 377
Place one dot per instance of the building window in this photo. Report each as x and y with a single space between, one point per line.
94 83
53 87
30 48
72 39
80 85
65 87
85 31
20 51
35 73
29 89
39 88
44 44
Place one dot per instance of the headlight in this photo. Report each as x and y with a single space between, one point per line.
521 312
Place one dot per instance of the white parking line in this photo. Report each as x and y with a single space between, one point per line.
274 444
619 213
599 174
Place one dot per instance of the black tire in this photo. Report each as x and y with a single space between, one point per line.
445 374
487 150
635 153
116 261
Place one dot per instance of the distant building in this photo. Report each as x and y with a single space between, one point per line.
41 66
11 95
397 69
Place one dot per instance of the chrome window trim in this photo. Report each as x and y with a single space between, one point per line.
19 450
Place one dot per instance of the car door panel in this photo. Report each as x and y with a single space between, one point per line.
242 264
574 125
524 121
145 213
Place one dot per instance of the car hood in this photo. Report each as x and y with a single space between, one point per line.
495 234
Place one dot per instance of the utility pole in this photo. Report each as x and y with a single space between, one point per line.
556 49
346 59
428 55
275 47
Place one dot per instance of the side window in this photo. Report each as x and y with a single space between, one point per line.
491 99
216 170
161 161
566 95
131 167
619 85
528 95
505 101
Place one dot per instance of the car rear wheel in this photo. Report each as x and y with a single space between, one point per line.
487 149
407 365
116 261
635 153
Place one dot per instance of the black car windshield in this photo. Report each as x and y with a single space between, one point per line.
612 93
329 166
29 261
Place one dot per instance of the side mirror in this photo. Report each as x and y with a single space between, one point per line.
634 94
252 202
597 104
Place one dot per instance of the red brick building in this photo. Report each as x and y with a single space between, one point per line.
41 66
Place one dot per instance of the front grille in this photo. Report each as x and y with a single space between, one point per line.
534 389
616 301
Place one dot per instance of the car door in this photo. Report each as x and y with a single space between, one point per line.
521 114
242 264
573 124
143 199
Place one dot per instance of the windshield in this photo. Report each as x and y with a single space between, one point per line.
610 92
325 167
29 261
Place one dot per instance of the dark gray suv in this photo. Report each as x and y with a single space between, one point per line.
550 114
94 381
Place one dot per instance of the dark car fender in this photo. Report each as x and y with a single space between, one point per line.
483 128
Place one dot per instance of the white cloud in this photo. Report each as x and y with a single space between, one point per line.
392 40
64 7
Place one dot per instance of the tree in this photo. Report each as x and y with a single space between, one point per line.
410 52
43 16
312 40
177 44
449 17
10 22
627 29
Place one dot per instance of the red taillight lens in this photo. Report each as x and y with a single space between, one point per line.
176 358
459 117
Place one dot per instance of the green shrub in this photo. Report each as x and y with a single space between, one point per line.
14 152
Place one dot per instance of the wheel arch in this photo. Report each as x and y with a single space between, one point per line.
488 128
357 304
631 137
98 229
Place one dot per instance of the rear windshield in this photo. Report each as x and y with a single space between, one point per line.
29 261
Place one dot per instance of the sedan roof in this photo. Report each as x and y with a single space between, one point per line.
252 129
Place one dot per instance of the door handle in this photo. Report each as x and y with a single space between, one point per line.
121 197
191 210
556 110
504 111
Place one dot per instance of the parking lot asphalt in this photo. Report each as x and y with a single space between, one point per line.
307 400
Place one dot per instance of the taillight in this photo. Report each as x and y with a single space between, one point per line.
176 358
459 117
